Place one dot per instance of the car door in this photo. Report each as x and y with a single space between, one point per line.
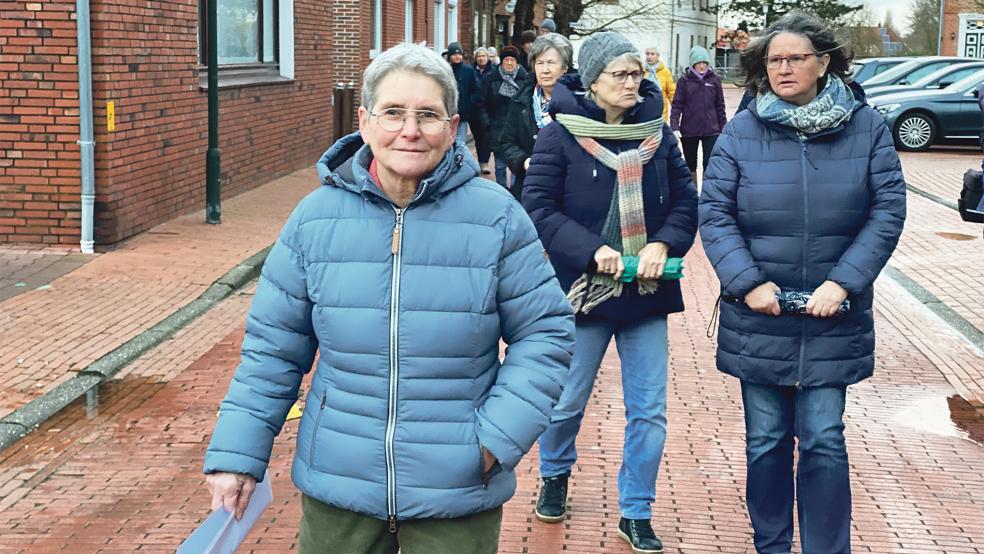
958 112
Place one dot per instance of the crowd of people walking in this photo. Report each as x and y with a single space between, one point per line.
408 267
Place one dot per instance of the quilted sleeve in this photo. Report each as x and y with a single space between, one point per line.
537 324
278 350
873 246
568 242
723 242
680 228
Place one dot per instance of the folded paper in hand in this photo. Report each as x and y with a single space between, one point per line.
221 533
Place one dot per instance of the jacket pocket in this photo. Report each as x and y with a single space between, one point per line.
317 427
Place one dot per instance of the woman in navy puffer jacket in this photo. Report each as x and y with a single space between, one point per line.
589 216
804 194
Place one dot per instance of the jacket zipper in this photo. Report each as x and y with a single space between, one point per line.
394 363
806 239
317 425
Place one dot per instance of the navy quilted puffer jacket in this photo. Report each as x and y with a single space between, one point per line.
407 325
798 213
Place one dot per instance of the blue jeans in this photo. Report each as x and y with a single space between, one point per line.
774 415
642 350
500 171
462 136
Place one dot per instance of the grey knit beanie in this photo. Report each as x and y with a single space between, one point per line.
598 51
549 25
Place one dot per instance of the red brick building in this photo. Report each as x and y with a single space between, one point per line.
279 62
963 29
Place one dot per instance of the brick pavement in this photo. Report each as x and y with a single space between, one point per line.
51 333
128 478
25 269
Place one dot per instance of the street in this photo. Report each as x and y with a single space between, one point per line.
125 475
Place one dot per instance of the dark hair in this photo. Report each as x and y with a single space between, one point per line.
751 64
527 36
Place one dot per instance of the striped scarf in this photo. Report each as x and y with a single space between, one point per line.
625 225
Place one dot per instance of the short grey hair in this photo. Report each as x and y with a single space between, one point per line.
555 41
414 58
480 50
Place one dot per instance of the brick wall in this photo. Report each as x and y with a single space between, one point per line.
145 60
39 157
951 22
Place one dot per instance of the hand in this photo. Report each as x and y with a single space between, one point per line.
826 299
609 261
652 260
488 460
231 491
526 164
762 299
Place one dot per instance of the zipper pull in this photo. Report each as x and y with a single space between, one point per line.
397 231
392 525
324 399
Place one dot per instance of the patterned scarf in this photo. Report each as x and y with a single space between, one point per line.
508 88
832 107
625 225
541 105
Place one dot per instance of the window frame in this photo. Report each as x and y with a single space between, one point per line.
235 75
376 23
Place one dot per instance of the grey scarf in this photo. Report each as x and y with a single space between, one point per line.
509 87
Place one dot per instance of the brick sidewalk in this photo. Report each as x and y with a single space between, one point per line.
50 334
23 269
129 478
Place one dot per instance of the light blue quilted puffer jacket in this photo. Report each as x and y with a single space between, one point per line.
406 309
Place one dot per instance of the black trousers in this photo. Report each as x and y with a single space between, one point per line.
482 146
690 150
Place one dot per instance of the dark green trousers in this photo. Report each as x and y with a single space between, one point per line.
329 530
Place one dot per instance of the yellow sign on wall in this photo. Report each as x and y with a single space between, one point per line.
110 116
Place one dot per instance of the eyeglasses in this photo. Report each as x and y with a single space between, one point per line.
794 60
393 119
539 64
621 76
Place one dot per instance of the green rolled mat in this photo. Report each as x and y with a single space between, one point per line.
672 271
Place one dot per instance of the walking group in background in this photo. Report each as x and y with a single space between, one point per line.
406 269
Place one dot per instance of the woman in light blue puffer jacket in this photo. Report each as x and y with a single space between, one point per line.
403 271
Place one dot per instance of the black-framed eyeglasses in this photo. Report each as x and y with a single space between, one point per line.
793 60
393 119
621 76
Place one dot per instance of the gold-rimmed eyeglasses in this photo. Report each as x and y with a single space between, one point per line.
393 119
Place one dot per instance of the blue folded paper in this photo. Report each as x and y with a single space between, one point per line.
221 533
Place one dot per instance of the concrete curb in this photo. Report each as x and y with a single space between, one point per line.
938 307
934 197
25 419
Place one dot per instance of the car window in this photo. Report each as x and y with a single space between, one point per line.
925 70
892 75
958 75
882 67
969 82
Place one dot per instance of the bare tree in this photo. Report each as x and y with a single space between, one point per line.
860 31
578 18
924 24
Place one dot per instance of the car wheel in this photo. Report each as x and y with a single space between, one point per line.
914 132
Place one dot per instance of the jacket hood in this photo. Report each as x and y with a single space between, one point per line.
569 98
346 165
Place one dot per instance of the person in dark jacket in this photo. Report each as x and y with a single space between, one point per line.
480 130
698 108
498 89
526 39
803 201
528 112
469 90
397 279
608 189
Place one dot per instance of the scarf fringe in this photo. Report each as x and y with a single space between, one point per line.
589 291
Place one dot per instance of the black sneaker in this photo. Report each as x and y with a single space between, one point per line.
551 507
640 536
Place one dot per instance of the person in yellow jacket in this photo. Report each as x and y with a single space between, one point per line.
658 73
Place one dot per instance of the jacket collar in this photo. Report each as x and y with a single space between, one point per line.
569 98
346 165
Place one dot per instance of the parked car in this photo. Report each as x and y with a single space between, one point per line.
913 70
938 79
865 68
921 118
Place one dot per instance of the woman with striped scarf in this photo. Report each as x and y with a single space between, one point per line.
608 188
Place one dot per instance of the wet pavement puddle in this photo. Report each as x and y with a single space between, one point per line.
945 417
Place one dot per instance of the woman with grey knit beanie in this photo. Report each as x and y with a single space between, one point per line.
612 200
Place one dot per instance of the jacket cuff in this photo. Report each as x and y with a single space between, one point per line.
501 446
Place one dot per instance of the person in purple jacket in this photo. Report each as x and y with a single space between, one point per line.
697 113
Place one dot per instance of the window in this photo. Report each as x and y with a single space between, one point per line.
376 27
255 41
408 21
922 72
452 21
439 45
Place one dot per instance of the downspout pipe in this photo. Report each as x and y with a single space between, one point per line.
86 140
